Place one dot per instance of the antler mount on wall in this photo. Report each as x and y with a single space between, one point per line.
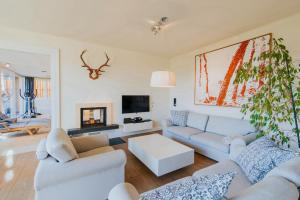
94 73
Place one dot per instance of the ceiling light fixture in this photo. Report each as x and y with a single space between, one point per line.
156 28
7 65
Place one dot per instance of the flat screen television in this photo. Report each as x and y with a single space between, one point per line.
135 103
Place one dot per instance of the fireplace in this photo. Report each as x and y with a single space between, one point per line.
92 117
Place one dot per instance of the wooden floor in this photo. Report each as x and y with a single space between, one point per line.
17 172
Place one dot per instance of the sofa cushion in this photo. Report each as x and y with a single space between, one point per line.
260 157
239 182
41 151
290 170
197 120
96 151
228 126
271 188
211 140
185 132
194 188
179 118
60 147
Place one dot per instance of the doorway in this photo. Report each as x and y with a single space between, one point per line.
29 90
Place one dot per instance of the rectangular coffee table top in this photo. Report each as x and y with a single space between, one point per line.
159 146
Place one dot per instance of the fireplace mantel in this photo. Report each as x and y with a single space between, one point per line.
108 106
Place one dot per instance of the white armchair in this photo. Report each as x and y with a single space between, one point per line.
88 173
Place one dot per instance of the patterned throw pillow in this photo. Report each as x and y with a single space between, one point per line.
193 188
260 157
179 118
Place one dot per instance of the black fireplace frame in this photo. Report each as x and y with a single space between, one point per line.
95 125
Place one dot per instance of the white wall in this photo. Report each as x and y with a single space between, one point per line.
130 74
183 65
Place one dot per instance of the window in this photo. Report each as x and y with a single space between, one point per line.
7 85
42 87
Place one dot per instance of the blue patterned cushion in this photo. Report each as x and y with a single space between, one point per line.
179 118
260 157
193 188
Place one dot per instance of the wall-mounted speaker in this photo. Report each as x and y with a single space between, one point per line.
174 102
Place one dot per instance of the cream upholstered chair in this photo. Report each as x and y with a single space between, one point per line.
77 168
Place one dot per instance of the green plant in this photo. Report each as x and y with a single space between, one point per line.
278 98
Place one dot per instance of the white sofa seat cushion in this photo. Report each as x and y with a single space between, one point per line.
185 132
228 126
60 147
239 182
96 151
197 120
211 140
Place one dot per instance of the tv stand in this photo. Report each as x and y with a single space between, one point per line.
138 126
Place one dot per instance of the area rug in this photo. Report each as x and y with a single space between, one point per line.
116 141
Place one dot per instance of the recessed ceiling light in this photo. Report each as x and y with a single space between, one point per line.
7 65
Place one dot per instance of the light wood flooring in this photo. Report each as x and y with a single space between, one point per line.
17 172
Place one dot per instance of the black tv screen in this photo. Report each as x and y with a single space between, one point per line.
135 103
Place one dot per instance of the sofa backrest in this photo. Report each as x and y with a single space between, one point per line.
228 126
197 120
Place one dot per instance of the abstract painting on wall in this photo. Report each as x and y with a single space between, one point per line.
215 72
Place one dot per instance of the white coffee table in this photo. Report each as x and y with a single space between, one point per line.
161 154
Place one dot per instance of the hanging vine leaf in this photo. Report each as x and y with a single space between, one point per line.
271 105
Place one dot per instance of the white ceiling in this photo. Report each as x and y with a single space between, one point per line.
26 64
126 23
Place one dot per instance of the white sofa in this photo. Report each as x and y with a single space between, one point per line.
210 135
280 183
88 172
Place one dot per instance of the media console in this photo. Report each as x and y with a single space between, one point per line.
138 126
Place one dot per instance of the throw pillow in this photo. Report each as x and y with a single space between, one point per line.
260 157
60 147
179 118
193 188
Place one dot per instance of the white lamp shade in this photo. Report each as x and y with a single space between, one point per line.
163 79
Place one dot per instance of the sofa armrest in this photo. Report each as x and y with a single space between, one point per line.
123 191
89 142
247 138
166 123
236 147
250 137
50 172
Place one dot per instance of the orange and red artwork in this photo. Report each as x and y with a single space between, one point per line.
215 72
